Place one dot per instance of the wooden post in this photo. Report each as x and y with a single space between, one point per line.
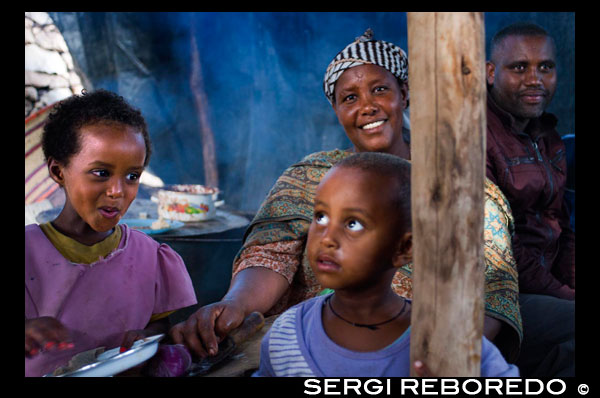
447 93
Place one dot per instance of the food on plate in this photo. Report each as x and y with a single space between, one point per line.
79 361
160 224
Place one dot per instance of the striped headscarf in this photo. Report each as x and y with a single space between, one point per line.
366 50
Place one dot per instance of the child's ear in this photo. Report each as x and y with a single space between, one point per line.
403 254
55 170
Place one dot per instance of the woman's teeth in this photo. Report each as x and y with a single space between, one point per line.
372 125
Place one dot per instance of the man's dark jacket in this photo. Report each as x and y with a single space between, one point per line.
530 169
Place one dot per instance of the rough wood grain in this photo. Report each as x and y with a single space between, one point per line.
447 92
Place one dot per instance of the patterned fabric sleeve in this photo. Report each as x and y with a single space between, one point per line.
281 257
287 211
275 238
501 277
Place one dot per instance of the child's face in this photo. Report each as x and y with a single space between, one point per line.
102 180
353 236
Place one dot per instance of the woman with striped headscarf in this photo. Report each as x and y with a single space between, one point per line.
367 86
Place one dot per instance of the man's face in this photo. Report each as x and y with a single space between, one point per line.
522 75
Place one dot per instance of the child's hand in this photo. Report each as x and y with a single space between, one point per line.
131 336
421 369
153 328
45 334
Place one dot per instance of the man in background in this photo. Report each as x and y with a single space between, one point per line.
526 159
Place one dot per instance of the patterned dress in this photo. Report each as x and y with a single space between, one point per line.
276 240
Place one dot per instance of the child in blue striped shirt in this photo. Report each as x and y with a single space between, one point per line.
359 236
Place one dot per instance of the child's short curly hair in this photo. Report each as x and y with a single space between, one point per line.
393 167
60 139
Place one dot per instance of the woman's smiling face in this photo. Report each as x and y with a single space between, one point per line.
369 102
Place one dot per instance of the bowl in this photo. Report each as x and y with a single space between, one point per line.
188 202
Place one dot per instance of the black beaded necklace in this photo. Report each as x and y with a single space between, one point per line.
373 326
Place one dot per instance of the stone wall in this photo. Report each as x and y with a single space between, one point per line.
50 74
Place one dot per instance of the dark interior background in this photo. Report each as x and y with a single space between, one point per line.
262 74
262 78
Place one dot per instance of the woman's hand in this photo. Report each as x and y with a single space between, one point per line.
205 328
45 334
252 289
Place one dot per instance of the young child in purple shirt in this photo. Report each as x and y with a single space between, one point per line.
88 281
359 236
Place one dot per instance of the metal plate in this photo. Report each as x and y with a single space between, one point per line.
111 362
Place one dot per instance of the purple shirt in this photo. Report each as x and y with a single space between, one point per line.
100 301
297 345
